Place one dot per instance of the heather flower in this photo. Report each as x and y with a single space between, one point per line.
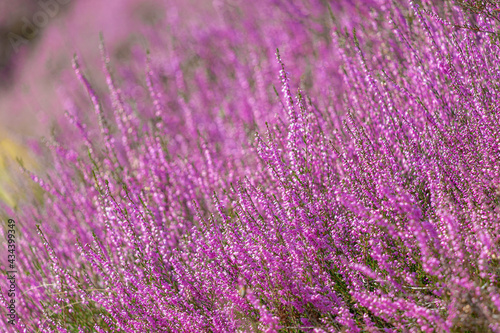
346 182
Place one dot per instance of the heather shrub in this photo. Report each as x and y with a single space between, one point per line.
348 181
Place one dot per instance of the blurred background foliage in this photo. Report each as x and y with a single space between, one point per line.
36 75
12 156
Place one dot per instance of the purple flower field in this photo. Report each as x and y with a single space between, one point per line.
262 166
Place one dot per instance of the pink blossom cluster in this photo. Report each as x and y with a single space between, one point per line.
291 166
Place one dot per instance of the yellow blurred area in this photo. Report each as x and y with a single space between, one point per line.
10 153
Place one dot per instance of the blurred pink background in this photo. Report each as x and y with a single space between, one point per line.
35 64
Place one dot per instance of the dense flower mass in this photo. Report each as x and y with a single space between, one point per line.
291 166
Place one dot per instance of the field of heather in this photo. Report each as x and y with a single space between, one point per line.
250 166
